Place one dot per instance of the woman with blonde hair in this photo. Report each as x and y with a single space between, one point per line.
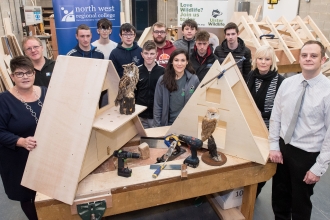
263 82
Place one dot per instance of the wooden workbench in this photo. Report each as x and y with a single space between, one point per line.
142 191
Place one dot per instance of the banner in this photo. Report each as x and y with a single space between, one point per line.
69 14
208 14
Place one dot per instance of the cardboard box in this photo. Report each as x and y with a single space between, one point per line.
230 198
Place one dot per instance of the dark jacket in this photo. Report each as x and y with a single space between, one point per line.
162 98
184 44
43 76
164 53
145 88
222 51
120 56
93 53
202 65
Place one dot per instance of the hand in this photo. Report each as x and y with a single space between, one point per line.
311 178
28 143
276 156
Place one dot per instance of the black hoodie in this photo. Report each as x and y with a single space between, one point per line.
43 76
93 53
222 51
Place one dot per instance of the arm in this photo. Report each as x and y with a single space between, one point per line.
158 104
275 154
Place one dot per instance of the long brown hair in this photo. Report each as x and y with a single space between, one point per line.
169 75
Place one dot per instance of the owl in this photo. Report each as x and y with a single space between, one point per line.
209 123
127 83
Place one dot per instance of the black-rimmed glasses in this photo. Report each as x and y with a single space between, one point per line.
28 73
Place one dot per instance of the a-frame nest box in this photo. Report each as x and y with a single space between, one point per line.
74 135
241 131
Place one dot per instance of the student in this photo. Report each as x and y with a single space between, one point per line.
164 47
189 29
174 88
149 72
43 67
104 44
127 51
84 47
202 57
234 45
299 135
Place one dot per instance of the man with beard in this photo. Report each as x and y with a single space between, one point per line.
164 47
202 57
234 45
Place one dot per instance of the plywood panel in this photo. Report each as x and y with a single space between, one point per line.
64 127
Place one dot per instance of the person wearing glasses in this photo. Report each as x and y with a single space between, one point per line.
43 67
20 109
127 50
104 44
164 47
84 47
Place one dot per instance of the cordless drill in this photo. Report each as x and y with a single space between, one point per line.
122 155
194 144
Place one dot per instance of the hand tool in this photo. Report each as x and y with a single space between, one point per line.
122 155
167 155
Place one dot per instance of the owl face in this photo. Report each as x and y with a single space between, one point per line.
129 69
212 113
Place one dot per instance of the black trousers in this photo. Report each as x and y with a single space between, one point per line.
290 194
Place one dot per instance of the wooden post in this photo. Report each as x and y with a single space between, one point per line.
127 106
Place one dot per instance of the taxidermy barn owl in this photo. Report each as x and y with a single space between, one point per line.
127 83
209 123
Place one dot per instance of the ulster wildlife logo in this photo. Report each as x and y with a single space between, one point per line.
67 13
216 13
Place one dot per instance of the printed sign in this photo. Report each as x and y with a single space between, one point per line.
69 14
32 15
205 13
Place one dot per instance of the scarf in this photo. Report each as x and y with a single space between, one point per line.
260 96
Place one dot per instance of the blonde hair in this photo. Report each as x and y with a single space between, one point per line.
265 51
26 39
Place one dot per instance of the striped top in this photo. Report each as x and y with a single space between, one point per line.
312 132
270 96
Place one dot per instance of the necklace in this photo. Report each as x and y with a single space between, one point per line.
28 107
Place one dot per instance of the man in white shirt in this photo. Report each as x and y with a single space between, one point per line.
300 145
104 44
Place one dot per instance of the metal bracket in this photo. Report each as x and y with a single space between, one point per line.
92 210
268 36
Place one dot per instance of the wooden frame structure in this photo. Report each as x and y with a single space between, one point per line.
74 135
289 37
241 131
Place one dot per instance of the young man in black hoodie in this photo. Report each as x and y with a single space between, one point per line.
127 51
149 72
84 47
234 45
202 57
43 67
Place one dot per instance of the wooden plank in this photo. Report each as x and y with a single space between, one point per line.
228 214
146 35
256 15
54 37
128 198
318 32
248 201
292 32
7 25
283 45
4 73
250 32
64 127
304 28
238 111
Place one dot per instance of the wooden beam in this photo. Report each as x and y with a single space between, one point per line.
304 28
256 16
249 198
293 34
319 33
284 46
250 32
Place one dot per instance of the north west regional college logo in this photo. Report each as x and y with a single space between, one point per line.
67 13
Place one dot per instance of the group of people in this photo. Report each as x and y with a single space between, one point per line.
295 110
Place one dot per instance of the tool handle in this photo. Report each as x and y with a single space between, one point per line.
157 172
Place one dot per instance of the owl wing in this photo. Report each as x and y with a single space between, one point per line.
123 83
208 127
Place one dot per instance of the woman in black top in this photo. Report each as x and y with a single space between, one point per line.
20 108
263 82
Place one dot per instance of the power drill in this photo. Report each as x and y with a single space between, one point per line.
194 144
122 155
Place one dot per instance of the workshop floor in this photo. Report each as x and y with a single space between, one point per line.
188 209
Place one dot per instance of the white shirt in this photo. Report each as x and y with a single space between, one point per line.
312 133
105 48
